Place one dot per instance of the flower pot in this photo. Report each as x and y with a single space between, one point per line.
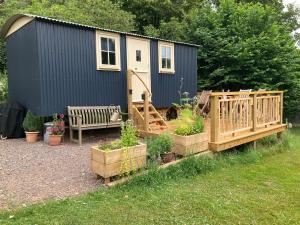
31 137
192 144
54 140
109 163
168 157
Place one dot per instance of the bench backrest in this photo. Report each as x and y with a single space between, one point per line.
92 115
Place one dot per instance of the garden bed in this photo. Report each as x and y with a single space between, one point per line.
109 163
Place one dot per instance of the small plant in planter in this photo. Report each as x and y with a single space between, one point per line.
119 157
159 148
189 136
57 130
32 126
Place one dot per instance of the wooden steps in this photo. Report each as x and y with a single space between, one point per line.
155 122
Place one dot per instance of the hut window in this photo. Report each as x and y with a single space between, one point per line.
108 51
138 55
166 57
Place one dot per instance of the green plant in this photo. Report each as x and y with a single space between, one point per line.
32 123
188 124
58 125
128 135
3 87
111 146
128 138
159 145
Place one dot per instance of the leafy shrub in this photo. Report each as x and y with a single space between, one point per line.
159 145
128 138
3 87
128 135
32 123
189 124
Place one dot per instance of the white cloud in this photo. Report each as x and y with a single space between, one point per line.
295 2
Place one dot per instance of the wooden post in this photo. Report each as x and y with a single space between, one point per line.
254 145
281 108
146 111
215 119
129 93
254 113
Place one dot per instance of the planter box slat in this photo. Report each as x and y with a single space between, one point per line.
113 169
108 163
185 145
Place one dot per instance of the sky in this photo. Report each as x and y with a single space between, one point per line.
295 2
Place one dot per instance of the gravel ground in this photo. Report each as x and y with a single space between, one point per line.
31 173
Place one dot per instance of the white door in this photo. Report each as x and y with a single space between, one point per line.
138 59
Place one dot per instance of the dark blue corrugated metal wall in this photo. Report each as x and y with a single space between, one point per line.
68 70
165 87
22 63
53 65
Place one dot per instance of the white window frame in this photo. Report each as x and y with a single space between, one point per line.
116 37
170 45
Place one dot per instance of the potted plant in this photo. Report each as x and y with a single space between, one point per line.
119 157
32 126
57 130
189 136
159 148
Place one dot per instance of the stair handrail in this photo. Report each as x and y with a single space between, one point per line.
145 85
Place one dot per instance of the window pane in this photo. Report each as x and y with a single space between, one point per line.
163 52
104 57
104 44
168 63
112 58
168 51
138 56
163 65
111 44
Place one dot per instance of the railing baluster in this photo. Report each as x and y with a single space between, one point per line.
215 118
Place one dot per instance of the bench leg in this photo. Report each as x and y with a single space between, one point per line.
80 137
71 135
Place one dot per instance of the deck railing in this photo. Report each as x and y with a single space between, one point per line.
235 112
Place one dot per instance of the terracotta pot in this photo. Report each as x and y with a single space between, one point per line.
31 137
168 157
54 140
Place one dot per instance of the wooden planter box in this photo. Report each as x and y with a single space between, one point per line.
108 163
186 145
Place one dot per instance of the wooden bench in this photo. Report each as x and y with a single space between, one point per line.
91 117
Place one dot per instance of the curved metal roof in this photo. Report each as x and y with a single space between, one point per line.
14 18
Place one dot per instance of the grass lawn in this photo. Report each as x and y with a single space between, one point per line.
251 187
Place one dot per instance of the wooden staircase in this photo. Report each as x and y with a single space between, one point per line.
147 118
143 114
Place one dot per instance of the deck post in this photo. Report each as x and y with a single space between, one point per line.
215 118
254 145
281 108
146 111
129 93
254 113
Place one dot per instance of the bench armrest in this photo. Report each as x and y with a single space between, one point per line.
79 117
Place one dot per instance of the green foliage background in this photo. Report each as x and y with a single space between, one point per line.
244 44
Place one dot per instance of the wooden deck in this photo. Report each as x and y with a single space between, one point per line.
235 118
241 117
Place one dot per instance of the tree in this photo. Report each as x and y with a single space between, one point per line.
244 46
153 12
